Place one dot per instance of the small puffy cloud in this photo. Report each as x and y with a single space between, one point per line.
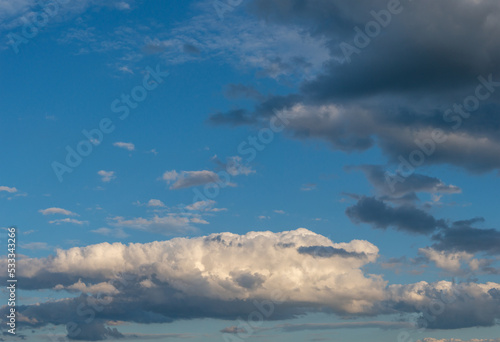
54 210
106 176
170 176
263 217
8 189
68 220
155 203
187 179
448 261
235 166
124 145
279 212
207 205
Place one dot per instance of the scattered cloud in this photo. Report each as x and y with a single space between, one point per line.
124 145
451 262
155 203
59 211
8 189
207 205
106 176
68 220
187 179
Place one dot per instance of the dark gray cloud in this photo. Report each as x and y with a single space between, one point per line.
468 239
405 218
96 331
398 89
248 280
387 183
328 252
458 308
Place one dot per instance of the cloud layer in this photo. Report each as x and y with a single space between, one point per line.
224 276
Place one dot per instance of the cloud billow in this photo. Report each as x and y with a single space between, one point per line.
223 276
411 80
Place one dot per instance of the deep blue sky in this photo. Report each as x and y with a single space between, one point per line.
348 122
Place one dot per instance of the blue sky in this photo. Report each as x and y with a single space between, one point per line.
257 154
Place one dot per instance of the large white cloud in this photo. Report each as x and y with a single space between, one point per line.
223 275
228 266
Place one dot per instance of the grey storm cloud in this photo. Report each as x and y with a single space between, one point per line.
468 239
328 252
406 83
405 218
378 176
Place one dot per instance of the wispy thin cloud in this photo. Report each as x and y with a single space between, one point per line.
125 145
59 211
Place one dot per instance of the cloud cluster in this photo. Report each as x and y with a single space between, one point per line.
224 275
423 77
187 179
